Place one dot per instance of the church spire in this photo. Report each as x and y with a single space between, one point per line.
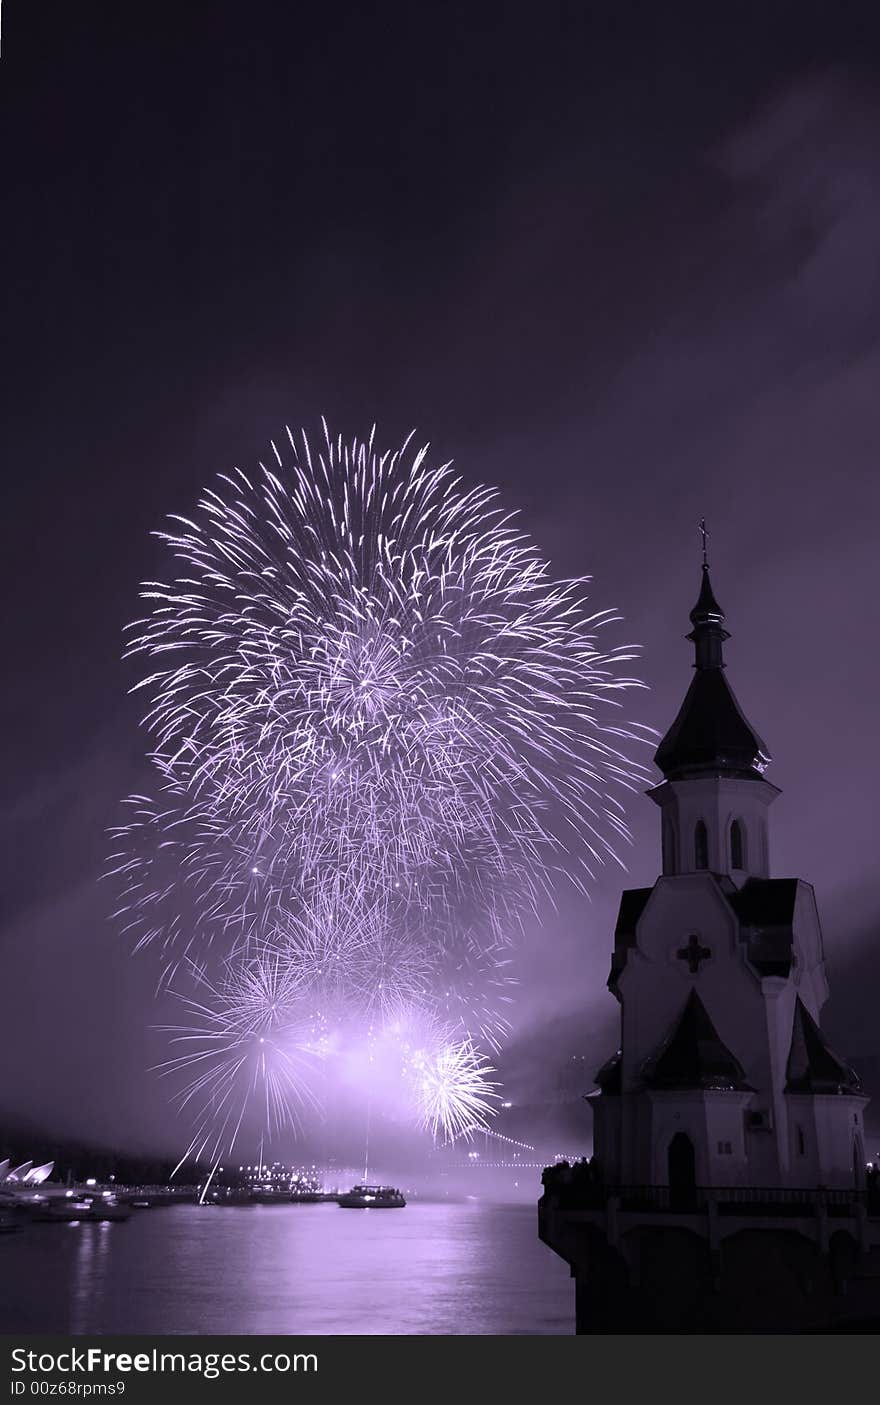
710 735
707 617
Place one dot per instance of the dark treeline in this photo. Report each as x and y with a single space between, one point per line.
78 1161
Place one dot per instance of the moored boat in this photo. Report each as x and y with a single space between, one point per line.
372 1197
73 1209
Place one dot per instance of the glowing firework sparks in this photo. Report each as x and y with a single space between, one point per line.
365 666
243 1048
381 732
455 1094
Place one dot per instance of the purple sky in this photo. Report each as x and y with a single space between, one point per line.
621 263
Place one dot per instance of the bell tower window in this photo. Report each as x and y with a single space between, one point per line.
701 846
737 846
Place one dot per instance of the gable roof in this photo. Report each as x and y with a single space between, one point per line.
812 1067
693 1055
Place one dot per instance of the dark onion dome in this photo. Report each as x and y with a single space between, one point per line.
812 1067
710 735
693 1056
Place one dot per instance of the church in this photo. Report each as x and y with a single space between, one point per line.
728 1188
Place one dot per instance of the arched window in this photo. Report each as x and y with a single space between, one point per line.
682 1166
701 846
737 846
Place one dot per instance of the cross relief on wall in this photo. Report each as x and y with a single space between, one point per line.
693 953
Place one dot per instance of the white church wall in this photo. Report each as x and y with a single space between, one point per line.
635 1141
839 1129
809 973
607 1136
714 1121
803 1147
778 995
726 1137
670 1113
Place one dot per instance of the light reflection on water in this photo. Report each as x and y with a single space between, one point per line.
90 1259
431 1269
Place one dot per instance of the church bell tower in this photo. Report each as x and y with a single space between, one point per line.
714 798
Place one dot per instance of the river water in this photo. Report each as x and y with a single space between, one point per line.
431 1269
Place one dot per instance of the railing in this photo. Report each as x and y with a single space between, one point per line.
580 1192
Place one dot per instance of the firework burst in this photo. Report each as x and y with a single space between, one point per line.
366 666
382 732
241 1048
455 1095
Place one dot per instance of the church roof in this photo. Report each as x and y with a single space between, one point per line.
812 1067
610 1076
765 909
766 902
710 735
693 1055
632 904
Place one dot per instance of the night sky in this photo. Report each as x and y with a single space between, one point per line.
618 259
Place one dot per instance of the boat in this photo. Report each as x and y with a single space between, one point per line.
67 1211
81 1210
106 1208
238 1196
372 1197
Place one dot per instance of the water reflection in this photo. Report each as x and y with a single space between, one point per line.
90 1259
427 1270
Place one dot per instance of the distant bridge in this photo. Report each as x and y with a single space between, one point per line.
481 1164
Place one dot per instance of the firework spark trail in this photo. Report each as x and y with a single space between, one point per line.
242 1045
381 732
455 1095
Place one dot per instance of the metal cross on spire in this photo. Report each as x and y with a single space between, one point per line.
704 534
